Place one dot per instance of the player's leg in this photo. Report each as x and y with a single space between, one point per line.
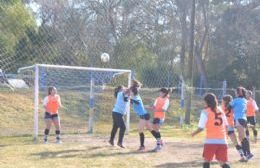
114 128
48 121
209 151
233 138
121 125
253 125
241 125
141 126
247 130
222 155
56 122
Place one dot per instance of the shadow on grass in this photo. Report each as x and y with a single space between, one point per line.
194 163
181 164
84 153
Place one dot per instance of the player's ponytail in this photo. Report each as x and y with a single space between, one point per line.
227 99
117 89
211 101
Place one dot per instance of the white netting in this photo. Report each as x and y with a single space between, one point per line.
85 93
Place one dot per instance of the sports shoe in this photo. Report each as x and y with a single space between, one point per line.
141 148
249 156
157 148
161 142
58 141
45 141
243 159
111 143
120 145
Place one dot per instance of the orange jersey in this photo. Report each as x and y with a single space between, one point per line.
250 108
215 126
161 105
229 116
53 104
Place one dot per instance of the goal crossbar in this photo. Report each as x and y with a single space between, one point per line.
75 68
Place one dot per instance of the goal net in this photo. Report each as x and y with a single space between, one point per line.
86 95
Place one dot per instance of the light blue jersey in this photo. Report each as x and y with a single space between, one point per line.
239 105
138 105
121 104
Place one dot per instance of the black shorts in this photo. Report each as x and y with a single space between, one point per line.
50 116
158 121
251 120
241 122
145 116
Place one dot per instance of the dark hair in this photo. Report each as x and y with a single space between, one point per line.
250 93
241 92
134 90
117 89
211 101
165 91
50 89
227 99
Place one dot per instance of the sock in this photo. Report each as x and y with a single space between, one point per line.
158 139
247 134
255 133
46 133
225 166
240 150
57 134
141 139
154 134
206 165
246 146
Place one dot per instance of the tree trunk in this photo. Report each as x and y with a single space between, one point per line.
190 65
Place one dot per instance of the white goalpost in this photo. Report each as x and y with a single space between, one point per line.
76 78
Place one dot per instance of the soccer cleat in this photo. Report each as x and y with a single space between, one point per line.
58 141
161 142
45 141
157 148
120 145
243 159
141 148
249 156
111 143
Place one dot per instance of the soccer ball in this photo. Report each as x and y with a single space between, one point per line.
105 57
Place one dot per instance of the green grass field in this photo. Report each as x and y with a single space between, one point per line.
79 150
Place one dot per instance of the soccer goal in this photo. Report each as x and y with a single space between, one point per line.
86 94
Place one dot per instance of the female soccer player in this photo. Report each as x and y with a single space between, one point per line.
213 119
52 103
119 110
252 108
230 119
144 116
239 105
160 107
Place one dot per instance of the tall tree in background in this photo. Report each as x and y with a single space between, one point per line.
190 63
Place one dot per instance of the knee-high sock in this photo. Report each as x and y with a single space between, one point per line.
46 133
141 139
246 146
240 150
57 134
